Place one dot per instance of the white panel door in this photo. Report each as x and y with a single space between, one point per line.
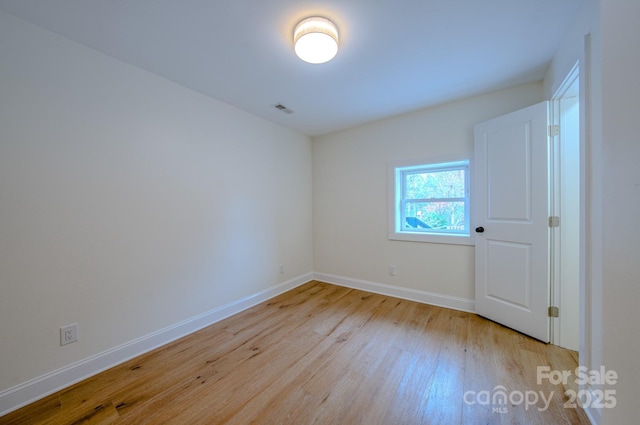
511 219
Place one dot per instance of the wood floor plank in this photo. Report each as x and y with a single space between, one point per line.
479 373
36 413
444 401
371 404
324 354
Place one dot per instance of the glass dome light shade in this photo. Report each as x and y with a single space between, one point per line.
316 40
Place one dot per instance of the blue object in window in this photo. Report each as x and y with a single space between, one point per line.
415 222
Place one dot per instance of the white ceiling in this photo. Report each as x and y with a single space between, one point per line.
395 55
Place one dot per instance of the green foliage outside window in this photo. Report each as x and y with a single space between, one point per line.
436 198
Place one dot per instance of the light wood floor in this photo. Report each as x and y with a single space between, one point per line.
324 354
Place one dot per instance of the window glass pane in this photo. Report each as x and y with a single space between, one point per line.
431 202
434 215
436 184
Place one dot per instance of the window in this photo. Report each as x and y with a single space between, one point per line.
430 202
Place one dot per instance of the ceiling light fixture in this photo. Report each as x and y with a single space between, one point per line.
315 40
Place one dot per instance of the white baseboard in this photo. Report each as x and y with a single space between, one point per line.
462 304
35 389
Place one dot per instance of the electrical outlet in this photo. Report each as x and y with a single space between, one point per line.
68 334
391 270
281 268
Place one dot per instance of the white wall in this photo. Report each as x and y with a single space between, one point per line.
129 204
613 179
620 62
350 194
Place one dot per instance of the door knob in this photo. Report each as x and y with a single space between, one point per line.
480 229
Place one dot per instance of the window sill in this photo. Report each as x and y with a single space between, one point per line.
431 238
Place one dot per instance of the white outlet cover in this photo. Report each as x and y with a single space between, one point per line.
68 334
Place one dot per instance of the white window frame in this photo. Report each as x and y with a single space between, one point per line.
396 204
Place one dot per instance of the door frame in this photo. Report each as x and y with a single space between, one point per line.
555 197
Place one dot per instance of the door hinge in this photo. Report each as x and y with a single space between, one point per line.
554 130
554 311
554 221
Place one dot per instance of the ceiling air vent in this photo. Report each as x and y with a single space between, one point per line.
281 107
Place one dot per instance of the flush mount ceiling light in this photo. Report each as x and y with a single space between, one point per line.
315 40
